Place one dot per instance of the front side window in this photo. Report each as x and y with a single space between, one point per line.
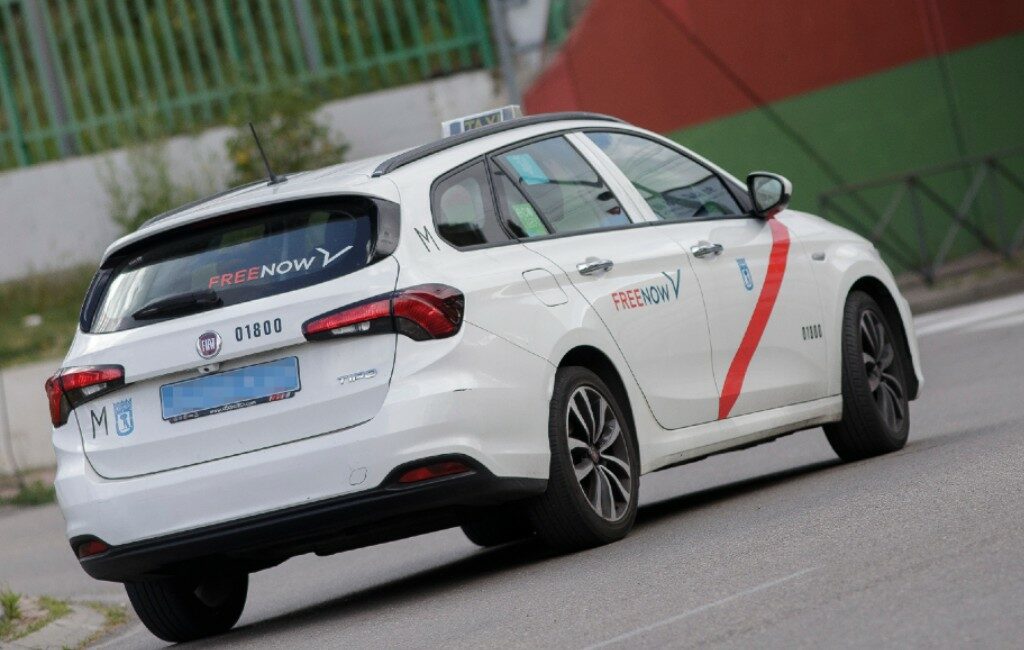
281 249
464 210
676 187
547 186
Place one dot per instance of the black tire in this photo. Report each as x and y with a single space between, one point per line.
186 609
564 516
876 417
499 526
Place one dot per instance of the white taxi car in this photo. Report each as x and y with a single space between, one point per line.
501 330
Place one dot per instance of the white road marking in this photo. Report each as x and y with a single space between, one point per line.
967 315
999 323
696 610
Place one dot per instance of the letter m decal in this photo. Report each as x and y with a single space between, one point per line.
427 238
99 421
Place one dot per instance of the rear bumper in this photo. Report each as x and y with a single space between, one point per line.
392 511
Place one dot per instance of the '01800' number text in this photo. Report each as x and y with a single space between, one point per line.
257 329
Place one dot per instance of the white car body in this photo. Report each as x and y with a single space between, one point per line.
483 393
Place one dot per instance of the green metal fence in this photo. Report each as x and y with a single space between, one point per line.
922 218
78 76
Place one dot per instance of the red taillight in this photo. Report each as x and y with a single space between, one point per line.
435 470
354 319
427 311
55 396
92 547
72 387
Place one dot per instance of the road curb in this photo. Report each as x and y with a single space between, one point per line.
982 284
70 631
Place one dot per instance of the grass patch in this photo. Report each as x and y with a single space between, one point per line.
23 618
54 297
35 493
53 609
10 603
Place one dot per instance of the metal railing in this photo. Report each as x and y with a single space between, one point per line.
78 76
916 218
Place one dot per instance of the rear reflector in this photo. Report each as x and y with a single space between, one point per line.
423 312
72 387
434 470
92 547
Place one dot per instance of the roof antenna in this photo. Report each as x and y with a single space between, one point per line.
274 180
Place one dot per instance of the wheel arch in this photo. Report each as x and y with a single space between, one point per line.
593 359
881 294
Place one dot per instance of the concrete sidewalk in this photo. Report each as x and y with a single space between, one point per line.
80 625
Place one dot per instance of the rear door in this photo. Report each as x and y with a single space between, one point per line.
762 303
639 282
207 324
506 285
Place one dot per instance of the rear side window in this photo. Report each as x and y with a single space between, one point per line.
675 186
549 184
464 210
267 253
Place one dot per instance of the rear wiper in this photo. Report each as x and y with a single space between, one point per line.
179 305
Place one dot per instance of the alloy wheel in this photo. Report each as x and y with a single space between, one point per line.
880 366
599 453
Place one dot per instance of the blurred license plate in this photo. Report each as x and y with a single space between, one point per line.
230 390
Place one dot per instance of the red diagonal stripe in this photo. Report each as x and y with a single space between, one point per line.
758 321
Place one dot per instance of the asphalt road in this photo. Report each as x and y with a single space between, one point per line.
776 546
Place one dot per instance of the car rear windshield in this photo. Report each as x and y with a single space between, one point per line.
267 252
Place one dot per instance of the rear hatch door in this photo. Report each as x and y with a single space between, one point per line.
207 324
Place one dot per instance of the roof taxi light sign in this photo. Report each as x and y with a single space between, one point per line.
208 345
476 120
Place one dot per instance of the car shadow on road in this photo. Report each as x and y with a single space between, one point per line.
658 510
413 587
488 563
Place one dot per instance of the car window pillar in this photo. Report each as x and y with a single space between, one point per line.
637 210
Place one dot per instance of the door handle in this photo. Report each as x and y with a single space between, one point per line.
706 249
594 265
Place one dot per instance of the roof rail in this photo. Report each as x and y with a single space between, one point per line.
429 149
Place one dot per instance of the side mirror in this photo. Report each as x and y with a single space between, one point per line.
769 192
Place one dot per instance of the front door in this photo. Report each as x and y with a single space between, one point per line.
639 282
762 303
764 312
